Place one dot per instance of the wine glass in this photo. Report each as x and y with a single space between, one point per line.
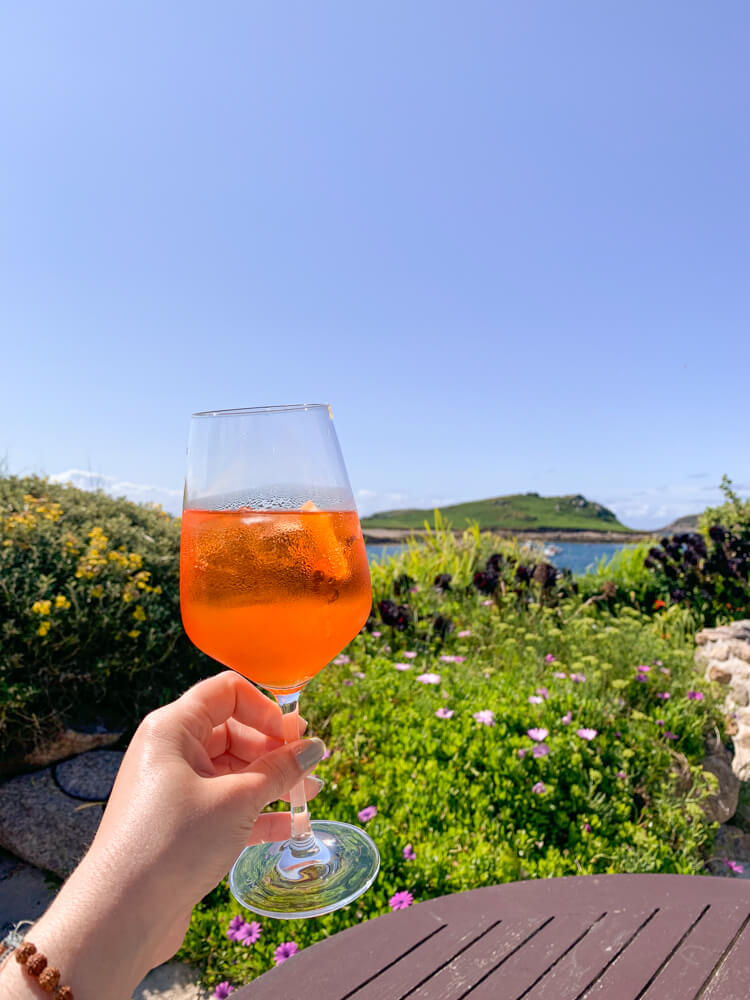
274 582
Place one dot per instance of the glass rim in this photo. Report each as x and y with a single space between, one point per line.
242 410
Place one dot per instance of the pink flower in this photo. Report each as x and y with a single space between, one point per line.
348 683
560 675
402 666
366 814
549 658
543 692
234 929
587 828
326 753
401 900
486 717
464 633
695 695
586 734
376 635
285 951
665 670
538 735
429 678
342 660
452 659
663 695
223 990
670 735
539 788
522 752
410 654
642 678
567 719
734 866
408 853
643 669
358 673
621 774
540 750
578 678
250 933
534 699
660 722
444 713
487 603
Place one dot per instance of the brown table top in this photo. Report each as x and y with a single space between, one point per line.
619 937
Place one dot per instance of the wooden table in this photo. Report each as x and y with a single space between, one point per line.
615 937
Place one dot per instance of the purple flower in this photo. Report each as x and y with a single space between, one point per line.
223 990
663 695
376 635
660 722
587 828
235 925
522 752
621 774
429 678
534 699
670 735
452 659
486 717
464 633
567 718
444 713
402 666
543 692
348 683
367 813
578 678
410 654
538 735
642 678
734 866
285 951
250 933
695 695
549 658
342 660
586 734
408 853
539 788
540 750
657 663
326 753
400 900
643 668
560 675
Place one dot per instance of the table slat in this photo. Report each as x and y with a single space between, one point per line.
514 977
732 980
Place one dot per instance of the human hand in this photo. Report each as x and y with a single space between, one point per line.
187 800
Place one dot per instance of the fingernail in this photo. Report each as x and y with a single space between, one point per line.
318 782
310 753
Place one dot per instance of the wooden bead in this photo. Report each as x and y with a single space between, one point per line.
36 964
63 993
49 979
24 951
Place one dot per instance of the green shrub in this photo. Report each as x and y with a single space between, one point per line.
89 605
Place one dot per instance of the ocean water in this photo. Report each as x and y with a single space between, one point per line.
578 557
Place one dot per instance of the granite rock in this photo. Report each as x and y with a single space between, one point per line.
66 744
722 805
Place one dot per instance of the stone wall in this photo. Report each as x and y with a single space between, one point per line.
724 656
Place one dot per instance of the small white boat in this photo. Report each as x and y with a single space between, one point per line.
552 550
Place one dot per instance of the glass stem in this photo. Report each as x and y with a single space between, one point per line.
302 842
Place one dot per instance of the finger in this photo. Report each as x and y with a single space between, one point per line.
239 740
271 776
271 828
227 695
227 764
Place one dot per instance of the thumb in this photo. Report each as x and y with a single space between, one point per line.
274 773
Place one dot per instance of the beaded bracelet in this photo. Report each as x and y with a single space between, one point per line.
47 976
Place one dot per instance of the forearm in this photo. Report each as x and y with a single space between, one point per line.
94 933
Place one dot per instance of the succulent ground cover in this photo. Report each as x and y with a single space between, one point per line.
483 739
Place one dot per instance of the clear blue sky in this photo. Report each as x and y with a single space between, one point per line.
509 242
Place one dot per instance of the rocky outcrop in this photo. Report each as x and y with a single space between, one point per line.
723 654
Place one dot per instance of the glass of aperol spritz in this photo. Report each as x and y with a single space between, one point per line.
274 582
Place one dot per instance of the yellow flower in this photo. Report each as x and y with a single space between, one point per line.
43 629
97 591
41 607
139 614
134 633
61 601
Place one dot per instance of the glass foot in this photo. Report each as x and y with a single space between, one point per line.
343 867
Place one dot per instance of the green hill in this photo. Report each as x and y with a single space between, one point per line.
520 512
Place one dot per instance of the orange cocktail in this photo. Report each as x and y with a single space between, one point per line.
273 594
